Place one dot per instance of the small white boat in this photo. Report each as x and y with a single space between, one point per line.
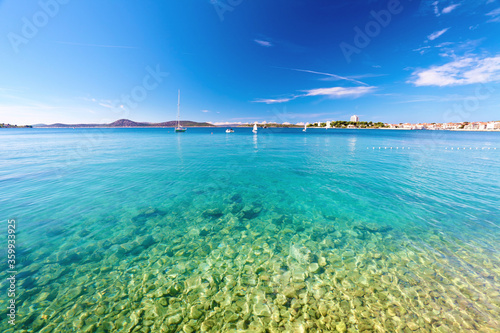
179 128
254 128
305 128
229 130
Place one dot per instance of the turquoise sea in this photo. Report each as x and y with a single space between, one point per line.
146 230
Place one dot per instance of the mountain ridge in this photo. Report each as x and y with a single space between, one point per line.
131 123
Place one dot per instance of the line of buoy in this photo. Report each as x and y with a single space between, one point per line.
446 148
471 148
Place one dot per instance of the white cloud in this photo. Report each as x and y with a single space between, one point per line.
437 34
422 49
334 92
205 111
450 8
340 92
329 75
263 43
463 71
436 9
495 15
274 101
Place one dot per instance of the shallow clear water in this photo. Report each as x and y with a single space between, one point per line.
145 230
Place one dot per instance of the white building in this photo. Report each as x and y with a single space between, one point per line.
355 118
492 125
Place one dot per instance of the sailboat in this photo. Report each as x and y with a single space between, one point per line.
305 128
254 128
179 128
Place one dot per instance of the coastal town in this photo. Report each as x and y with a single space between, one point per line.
355 123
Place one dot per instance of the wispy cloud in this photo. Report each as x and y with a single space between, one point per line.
422 49
205 111
330 75
495 15
436 8
264 43
274 101
97 45
453 50
340 92
333 92
105 103
437 34
463 71
450 8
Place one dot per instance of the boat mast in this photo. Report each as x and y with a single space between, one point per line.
178 108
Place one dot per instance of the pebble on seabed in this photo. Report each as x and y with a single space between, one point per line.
226 270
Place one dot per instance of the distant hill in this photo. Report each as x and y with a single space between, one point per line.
130 123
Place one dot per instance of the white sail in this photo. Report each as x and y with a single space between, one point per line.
254 128
179 128
179 109
305 128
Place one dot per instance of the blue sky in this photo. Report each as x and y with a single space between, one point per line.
249 60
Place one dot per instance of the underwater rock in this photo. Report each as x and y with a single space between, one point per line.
66 258
236 198
205 231
146 215
282 220
261 310
173 290
348 254
235 208
146 241
281 299
175 319
195 312
188 329
213 213
318 235
372 227
302 254
412 326
313 268
207 325
289 292
322 261
341 327
250 212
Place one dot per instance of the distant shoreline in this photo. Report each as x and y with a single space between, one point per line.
314 128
